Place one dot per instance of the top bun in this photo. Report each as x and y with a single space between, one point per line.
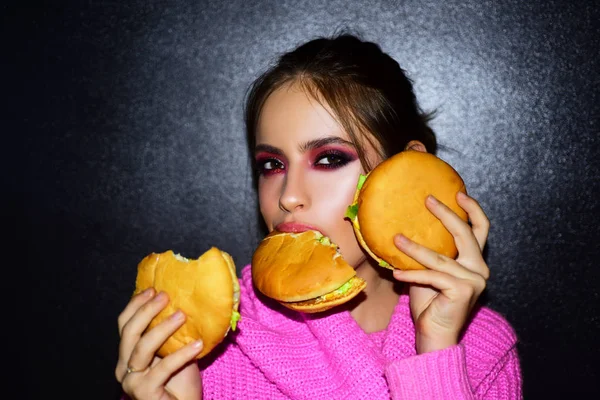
391 200
206 290
293 267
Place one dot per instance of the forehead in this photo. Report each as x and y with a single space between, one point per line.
292 114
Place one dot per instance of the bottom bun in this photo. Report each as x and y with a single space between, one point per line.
323 303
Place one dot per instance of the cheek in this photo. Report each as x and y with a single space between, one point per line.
334 198
268 199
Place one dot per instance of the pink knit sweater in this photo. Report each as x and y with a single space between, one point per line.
280 354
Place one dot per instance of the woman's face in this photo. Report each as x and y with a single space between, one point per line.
308 169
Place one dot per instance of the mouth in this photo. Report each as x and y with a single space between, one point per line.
296 227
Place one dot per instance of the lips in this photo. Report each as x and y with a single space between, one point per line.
295 227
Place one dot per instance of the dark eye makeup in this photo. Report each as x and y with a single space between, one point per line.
333 159
320 159
268 165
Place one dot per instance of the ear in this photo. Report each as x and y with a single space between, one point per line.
416 145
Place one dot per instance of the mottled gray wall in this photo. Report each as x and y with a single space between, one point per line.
124 121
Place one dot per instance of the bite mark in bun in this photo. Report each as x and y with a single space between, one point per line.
206 289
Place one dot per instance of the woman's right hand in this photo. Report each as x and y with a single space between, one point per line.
144 375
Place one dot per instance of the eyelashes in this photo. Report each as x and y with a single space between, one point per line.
268 165
331 159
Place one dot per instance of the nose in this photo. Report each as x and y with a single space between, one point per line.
294 193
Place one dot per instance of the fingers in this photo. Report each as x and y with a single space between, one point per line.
148 345
451 286
444 273
141 372
150 383
137 324
459 229
134 304
479 221
469 240
456 297
134 327
432 259
175 361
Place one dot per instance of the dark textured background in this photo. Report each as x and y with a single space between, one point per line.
124 135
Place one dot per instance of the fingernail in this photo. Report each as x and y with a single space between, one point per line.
177 316
197 344
148 292
403 240
432 200
461 195
160 296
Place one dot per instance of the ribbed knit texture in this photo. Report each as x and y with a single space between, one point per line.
281 354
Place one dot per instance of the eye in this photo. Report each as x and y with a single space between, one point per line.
333 159
269 166
329 160
272 164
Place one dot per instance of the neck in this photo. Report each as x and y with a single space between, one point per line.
374 311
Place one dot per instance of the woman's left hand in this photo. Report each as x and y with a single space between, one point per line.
443 296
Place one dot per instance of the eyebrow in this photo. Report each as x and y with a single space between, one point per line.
306 146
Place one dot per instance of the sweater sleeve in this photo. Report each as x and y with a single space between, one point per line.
433 375
443 375
484 365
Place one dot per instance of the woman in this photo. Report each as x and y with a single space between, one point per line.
327 112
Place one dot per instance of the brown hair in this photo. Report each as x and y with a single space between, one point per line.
366 89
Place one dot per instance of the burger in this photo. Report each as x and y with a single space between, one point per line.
390 200
206 289
304 271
